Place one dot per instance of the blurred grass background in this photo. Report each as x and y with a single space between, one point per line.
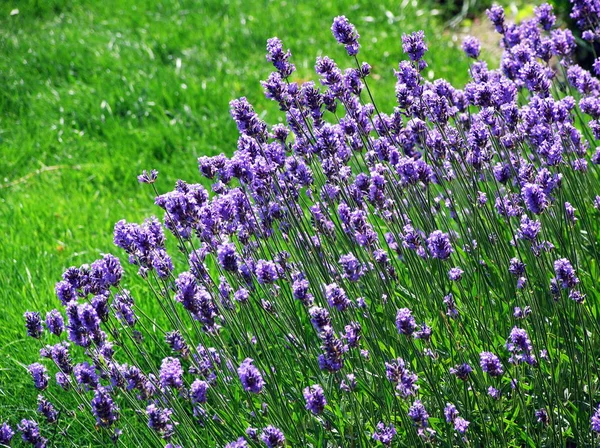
92 92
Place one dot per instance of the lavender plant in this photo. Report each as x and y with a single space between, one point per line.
355 277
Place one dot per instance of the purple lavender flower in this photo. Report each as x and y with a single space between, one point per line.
239 443
47 409
565 274
490 364
332 358
345 33
595 420
384 433
461 371
315 399
39 374
279 58
319 317
494 393
439 245
159 419
33 324
104 408
405 322
545 17
55 322
6 434
171 373
353 269
471 47
86 376
541 416
148 177
418 414
535 198
177 343
198 391
30 433
250 377
266 272
227 257
272 437
455 274
496 16
398 373
336 297
414 45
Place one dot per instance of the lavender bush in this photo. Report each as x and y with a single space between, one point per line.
354 277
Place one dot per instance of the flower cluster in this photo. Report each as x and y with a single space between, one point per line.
353 277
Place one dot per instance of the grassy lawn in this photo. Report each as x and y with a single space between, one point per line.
95 91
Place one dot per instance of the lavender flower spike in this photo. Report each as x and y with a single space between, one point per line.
345 33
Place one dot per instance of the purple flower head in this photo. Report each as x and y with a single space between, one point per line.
47 409
159 420
171 373
405 322
455 274
461 425
272 437
516 267
461 371
405 380
450 412
414 45
332 358
384 433
494 393
239 443
521 313
418 414
529 229
519 345
471 47
439 245
250 377
496 16
227 257
198 391
266 272
6 434
353 334
353 269
39 374
86 376
319 317
348 384
279 58
541 416
33 324
104 408
490 364
345 33
30 433
545 16
595 420
177 342
565 274
315 399
148 177
534 197
336 297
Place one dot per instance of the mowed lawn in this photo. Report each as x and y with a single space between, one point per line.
92 92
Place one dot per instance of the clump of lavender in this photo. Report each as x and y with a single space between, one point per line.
404 264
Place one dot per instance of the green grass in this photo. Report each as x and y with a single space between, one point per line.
95 91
